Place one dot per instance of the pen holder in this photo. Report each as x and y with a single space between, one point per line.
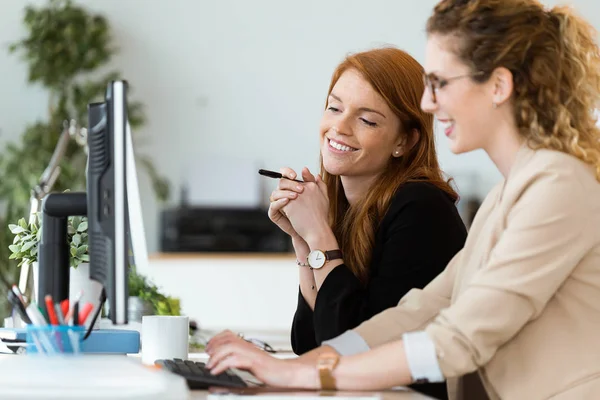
54 340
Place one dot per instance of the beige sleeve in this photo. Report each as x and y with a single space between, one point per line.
546 235
417 308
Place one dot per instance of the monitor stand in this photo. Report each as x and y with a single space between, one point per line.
53 251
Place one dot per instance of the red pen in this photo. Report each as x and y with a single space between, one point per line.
64 306
85 311
51 312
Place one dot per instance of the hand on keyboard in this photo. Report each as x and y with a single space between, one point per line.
198 376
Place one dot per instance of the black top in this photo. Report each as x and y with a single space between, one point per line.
418 236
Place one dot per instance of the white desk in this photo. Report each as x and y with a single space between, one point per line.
24 375
386 395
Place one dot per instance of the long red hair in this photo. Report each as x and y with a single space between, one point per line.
398 78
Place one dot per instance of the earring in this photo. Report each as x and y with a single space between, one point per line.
396 153
495 105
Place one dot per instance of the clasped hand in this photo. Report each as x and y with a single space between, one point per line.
300 209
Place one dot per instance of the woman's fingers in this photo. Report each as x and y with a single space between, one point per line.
293 186
218 354
237 354
322 185
281 194
307 176
288 172
276 207
220 339
231 361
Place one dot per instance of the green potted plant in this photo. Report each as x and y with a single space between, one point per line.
145 298
24 249
67 50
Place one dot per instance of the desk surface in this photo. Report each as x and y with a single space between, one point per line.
42 374
386 395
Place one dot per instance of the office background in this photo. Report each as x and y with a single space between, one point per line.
238 83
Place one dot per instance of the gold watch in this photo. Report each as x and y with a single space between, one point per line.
326 363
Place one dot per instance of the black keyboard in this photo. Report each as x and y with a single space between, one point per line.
198 376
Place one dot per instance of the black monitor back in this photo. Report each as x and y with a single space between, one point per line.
107 199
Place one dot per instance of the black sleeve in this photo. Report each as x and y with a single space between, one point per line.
419 235
303 328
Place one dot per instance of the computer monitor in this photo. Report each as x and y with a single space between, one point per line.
115 224
107 198
112 205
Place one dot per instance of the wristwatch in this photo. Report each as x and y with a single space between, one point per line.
317 258
326 363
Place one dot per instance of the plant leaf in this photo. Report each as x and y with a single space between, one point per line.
73 252
28 246
85 258
14 248
23 224
16 229
76 239
82 227
75 221
81 250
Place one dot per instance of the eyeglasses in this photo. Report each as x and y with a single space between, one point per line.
261 345
435 83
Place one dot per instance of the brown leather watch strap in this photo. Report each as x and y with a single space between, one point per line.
333 254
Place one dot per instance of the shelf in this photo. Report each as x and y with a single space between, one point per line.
207 255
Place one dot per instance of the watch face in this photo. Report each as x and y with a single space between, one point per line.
316 259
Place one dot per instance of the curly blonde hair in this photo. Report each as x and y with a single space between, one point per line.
554 59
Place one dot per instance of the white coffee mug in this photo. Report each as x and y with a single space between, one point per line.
164 337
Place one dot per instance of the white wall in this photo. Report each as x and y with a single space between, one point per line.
241 79
214 287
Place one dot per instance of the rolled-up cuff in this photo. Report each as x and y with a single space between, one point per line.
348 343
421 357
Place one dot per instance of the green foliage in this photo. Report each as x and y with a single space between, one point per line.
24 247
66 50
27 238
77 237
84 44
142 287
